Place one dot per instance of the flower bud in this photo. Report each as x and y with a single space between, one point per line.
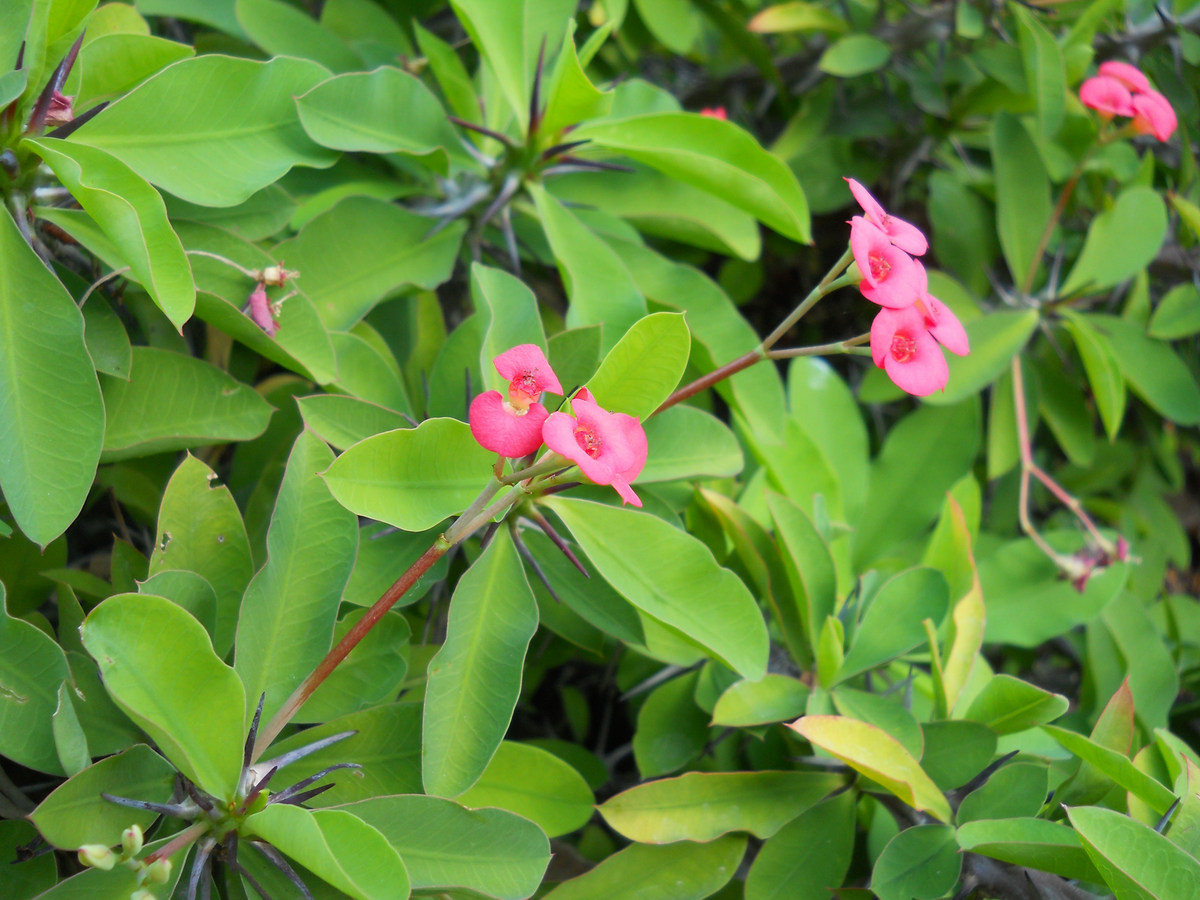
131 840
141 894
158 871
97 856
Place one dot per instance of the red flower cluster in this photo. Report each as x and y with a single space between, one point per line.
1122 90
609 448
907 331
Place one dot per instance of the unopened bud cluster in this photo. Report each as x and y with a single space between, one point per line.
99 856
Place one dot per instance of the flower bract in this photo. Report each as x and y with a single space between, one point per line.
902 346
513 427
609 448
889 274
905 235
1106 95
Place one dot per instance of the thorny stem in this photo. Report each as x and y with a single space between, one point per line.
480 512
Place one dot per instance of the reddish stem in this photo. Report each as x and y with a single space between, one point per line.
707 381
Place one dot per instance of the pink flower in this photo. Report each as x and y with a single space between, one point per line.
941 323
1129 76
609 448
902 346
259 306
1153 114
905 235
714 112
889 274
513 427
1108 96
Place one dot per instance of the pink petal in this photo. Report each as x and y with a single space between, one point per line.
1106 95
260 310
889 274
526 367
870 206
584 394
905 235
713 112
626 492
1131 77
1153 114
634 436
944 326
502 429
902 346
617 443
882 328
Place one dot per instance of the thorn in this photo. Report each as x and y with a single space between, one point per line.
299 799
174 810
533 564
79 121
481 129
252 795
282 796
276 859
535 95
563 148
511 185
241 870
199 865
198 797
1162 823
252 733
548 530
286 759
510 240
38 119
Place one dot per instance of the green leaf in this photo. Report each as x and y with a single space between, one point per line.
700 806
536 784
509 37
412 478
854 54
49 396
671 729
1177 314
287 614
445 846
1120 242
1023 205
600 288
382 553
1036 843
1153 370
671 576
1015 790
807 855
69 739
172 401
357 112
373 672
956 751
920 863
644 367
682 871
715 156
342 420
474 680
131 213
892 625
223 127
774 698
113 64
686 442
29 877
75 814
1104 376
1009 705
451 74
159 666
218 14
807 562
1116 766
510 316
796 15
879 756
995 339
337 846
186 590
283 30
1136 862
882 712
572 96
1044 71
200 530
106 337
32 666
367 369
363 249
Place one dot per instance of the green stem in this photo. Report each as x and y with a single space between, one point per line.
851 346
826 285
1056 214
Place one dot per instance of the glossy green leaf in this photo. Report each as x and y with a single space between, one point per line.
969 616
882 712
773 698
363 249
892 624
807 562
386 743
49 396
806 856
509 36
920 863
922 457
32 666
75 814
117 884
796 15
343 420
200 529
223 127
686 442
106 337
283 30
28 877
159 666
358 111
599 286
644 367
383 553
445 846
1120 241
474 680
535 784
186 590
854 54
286 622
254 219
450 73
572 98
670 575
715 156
682 871
1177 314
1136 862
367 369
879 756
1013 791
1150 668
1152 369
956 751
700 806
337 846
1027 841
509 313
69 740
412 478
115 63
1009 705
373 672
1044 71
995 339
172 401
1022 195
671 729
1116 766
